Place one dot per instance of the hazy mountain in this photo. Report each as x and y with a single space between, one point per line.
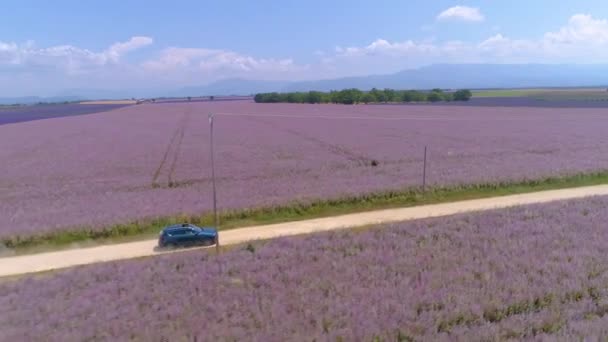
472 76
232 87
107 94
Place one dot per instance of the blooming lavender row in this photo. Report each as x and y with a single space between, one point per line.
527 273
548 101
153 160
38 112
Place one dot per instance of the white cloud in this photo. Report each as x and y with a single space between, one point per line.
501 46
384 47
117 50
70 58
9 53
32 67
582 39
581 28
172 58
463 13
582 34
213 61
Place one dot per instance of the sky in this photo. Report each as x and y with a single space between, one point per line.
53 47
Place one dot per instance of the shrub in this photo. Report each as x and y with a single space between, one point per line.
462 95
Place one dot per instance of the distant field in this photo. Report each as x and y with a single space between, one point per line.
521 102
152 160
534 273
15 114
199 99
110 102
583 95
506 92
578 94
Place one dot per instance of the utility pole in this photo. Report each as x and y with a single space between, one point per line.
215 217
424 172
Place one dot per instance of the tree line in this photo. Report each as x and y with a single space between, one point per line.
354 96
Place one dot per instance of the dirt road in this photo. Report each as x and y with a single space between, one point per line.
11 266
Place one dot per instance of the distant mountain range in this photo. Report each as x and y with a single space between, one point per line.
471 76
446 76
233 87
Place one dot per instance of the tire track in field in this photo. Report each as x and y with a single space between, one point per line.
171 154
178 149
341 151
164 158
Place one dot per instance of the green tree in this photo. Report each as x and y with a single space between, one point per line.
325 98
291 98
295 98
353 96
350 96
379 95
314 97
390 95
407 96
335 96
462 95
434 97
272 98
368 98
414 96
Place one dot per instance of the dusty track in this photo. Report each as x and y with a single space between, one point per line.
12 266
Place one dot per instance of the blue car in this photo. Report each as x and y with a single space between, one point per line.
184 235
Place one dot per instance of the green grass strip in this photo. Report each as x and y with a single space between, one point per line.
147 228
508 92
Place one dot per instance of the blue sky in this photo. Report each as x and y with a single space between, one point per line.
49 46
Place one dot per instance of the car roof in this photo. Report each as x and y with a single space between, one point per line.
179 226
175 227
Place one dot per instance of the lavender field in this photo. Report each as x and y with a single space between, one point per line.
9 115
153 159
531 273
531 101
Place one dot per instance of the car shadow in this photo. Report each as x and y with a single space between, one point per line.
158 249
